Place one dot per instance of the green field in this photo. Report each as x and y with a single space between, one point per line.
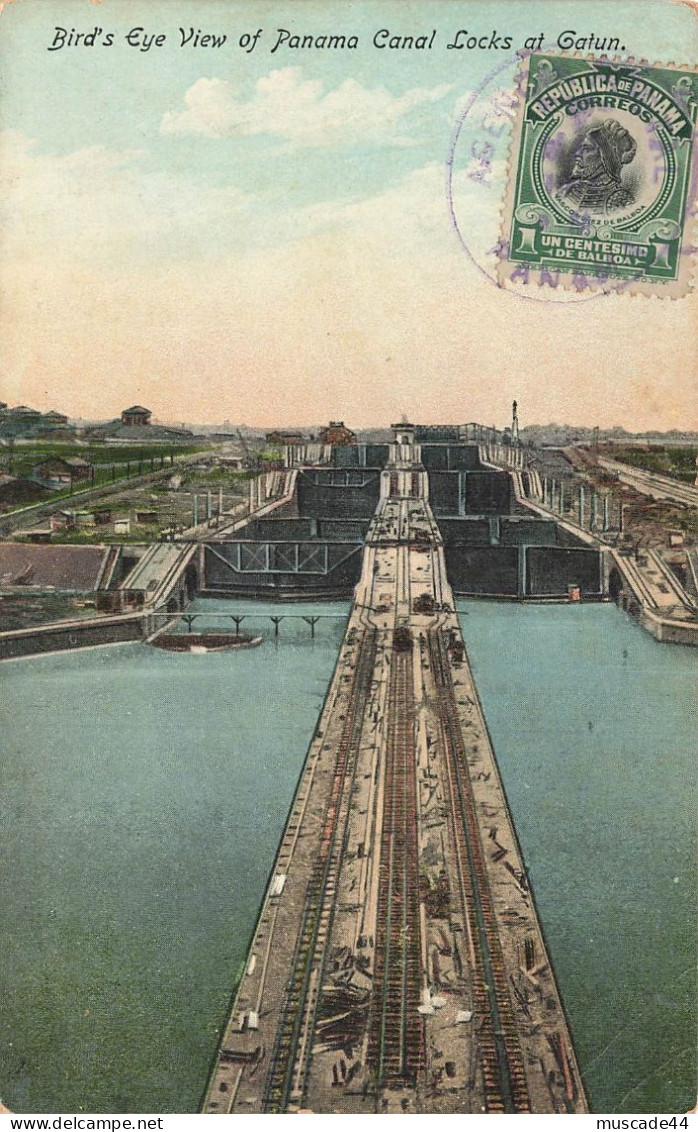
227 478
679 463
111 463
23 457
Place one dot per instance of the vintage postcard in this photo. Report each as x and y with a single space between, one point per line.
348 560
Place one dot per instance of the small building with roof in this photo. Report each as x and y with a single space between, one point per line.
57 472
54 419
136 415
135 426
279 438
338 434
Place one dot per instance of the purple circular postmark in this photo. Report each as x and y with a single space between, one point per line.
571 179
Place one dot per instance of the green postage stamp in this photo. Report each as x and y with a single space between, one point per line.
603 176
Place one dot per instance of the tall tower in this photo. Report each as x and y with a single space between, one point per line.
514 423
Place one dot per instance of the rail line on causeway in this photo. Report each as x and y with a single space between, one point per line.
396 1044
398 964
503 1072
298 1013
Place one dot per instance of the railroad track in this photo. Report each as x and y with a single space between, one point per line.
396 1050
652 483
504 1076
289 1060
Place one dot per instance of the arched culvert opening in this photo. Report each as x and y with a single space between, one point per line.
191 581
615 585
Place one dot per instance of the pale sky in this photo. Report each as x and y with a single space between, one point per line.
265 236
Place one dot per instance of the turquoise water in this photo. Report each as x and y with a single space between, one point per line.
594 726
143 794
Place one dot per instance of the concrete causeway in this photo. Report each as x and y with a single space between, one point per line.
398 964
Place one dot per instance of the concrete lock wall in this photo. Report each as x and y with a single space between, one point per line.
675 634
446 458
305 529
435 459
342 575
568 538
483 569
77 634
377 455
465 532
444 493
349 457
487 492
361 455
470 493
350 529
271 529
319 496
531 532
550 571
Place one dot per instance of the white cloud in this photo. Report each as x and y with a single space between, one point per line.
111 211
494 111
300 111
358 308
412 209
97 205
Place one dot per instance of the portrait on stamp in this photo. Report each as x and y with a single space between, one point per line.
348 560
595 183
601 175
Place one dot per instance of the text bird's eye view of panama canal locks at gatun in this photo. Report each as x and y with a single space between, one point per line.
348 765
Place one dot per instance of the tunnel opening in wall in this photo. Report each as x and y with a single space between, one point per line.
615 586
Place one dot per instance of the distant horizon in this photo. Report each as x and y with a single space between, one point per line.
174 420
48 404
275 229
